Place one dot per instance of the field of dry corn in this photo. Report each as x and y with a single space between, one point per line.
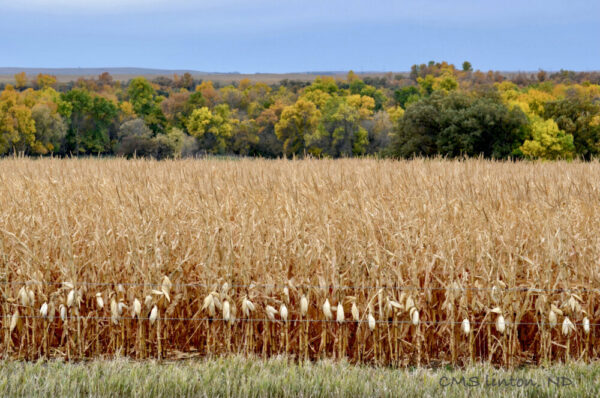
397 263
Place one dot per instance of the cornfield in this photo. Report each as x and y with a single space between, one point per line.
399 263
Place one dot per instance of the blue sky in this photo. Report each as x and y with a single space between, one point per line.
297 36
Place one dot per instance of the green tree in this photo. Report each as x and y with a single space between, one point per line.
196 100
575 116
92 122
142 96
402 95
102 125
457 124
145 103
357 85
79 103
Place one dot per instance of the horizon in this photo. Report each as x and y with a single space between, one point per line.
125 70
272 38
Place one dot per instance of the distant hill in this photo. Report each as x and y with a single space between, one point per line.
92 71
123 74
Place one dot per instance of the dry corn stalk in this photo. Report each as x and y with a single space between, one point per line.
347 223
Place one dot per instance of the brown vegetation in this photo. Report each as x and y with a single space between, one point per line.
376 261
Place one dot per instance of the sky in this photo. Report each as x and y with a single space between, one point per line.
281 36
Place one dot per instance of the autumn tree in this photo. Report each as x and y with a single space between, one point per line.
105 79
326 84
186 81
547 141
43 81
208 92
446 82
426 84
51 129
177 108
297 122
268 144
233 97
21 80
211 128
317 96
17 127
542 75
259 93
339 132
379 131
90 85
245 137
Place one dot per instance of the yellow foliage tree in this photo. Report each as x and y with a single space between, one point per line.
212 129
446 82
17 128
21 80
363 103
396 113
297 122
317 97
547 141
127 111
535 100
43 80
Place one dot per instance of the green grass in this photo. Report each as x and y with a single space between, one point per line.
238 377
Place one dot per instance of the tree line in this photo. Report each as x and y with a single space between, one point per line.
436 109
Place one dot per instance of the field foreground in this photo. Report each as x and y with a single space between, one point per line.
239 377
421 262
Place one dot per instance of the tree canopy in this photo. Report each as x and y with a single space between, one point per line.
435 109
